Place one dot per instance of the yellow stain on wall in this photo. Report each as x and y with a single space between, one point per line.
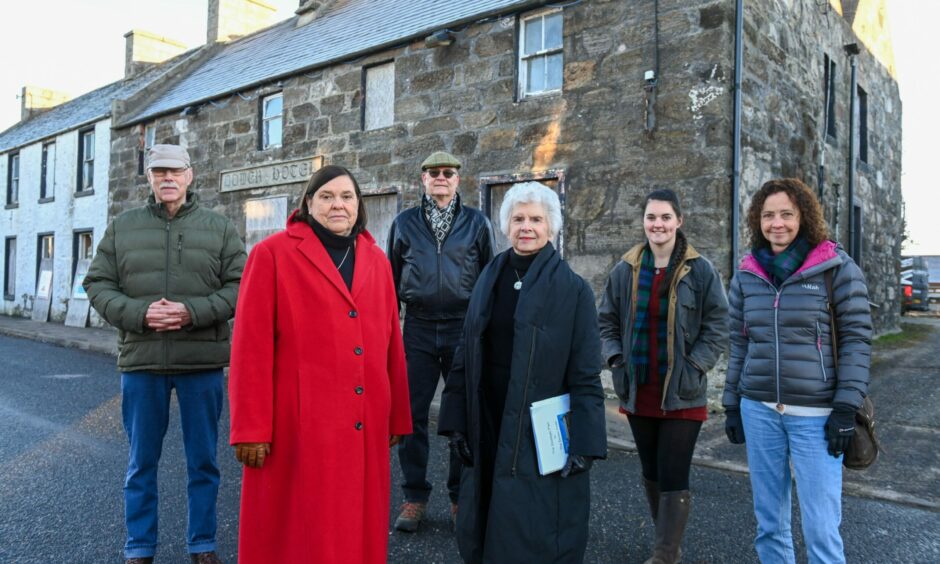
544 153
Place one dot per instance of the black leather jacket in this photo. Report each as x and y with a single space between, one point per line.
433 281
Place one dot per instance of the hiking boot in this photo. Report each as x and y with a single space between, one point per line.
453 515
205 558
411 514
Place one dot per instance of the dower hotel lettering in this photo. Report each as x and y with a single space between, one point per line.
287 172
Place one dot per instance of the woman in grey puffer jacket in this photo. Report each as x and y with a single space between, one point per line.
783 391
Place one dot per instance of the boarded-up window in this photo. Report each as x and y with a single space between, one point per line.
264 217
380 96
381 210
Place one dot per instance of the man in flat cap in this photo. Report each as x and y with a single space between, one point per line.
437 251
166 276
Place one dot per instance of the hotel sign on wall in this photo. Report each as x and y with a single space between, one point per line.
270 174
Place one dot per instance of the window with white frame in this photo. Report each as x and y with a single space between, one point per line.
86 160
47 181
380 96
45 249
13 179
9 268
148 140
541 60
150 135
82 247
272 122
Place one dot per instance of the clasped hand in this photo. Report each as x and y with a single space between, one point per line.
165 315
252 454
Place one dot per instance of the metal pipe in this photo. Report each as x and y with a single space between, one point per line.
736 162
852 157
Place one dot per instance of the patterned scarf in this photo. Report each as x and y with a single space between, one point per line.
639 354
782 265
441 220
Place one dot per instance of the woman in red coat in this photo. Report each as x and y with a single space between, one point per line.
318 386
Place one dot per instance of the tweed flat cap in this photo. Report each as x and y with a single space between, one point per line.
167 156
438 159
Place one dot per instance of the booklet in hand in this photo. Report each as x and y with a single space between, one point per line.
550 431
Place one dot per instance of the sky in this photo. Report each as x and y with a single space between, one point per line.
82 48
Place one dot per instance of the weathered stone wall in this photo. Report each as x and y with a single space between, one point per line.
784 131
461 98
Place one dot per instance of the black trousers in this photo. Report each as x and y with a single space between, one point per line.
429 351
665 447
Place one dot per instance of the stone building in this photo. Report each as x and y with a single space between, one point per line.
603 100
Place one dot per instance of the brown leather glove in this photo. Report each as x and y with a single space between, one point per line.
252 454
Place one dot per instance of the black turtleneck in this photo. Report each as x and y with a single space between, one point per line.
498 338
342 250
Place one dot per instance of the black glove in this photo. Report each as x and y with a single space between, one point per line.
839 428
734 427
461 448
576 464
616 361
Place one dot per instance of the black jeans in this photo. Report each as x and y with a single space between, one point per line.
429 351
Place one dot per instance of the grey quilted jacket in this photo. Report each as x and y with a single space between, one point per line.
781 345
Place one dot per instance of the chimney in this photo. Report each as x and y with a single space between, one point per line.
143 50
231 19
35 100
309 10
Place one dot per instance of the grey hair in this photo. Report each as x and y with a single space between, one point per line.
532 193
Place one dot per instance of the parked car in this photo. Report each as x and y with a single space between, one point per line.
915 285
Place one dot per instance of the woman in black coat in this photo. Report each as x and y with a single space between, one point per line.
530 334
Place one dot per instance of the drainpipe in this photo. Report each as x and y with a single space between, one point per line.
852 50
736 164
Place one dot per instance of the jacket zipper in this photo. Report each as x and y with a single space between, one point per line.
777 341
822 363
525 397
166 292
179 249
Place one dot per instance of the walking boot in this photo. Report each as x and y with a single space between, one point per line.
670 526
652 497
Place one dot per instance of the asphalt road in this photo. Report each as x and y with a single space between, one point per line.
64 454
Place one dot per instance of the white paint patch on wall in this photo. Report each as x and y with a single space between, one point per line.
702 95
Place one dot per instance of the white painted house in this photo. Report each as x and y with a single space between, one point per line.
54 176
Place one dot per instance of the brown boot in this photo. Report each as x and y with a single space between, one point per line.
670 526
652 497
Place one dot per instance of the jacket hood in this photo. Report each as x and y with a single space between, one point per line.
824 255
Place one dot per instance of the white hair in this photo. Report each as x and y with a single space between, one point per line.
532 193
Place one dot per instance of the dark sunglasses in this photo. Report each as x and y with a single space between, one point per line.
434 173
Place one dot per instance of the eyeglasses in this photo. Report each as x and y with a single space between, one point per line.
160 171
434 173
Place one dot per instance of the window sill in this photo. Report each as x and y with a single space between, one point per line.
12 206
85 193
46 200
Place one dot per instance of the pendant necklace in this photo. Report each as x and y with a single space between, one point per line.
340 265
517 285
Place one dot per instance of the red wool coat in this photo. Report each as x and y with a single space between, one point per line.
318 372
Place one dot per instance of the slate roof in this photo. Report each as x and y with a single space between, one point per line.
87 108
347 29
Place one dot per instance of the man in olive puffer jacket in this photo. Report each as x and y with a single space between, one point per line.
166 276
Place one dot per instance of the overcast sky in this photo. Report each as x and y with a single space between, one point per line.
78 45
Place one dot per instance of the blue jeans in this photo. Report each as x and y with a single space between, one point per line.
145 407
774 441
429 352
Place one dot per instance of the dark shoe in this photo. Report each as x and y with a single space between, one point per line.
670 526
411 514
453 515
205 558
652 497
139 560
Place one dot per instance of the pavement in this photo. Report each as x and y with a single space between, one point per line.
903 387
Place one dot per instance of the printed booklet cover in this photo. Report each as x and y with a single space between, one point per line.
550 430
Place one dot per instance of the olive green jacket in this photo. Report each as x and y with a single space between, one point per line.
195 258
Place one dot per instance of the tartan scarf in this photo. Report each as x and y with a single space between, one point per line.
441 220
639 354
782 265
